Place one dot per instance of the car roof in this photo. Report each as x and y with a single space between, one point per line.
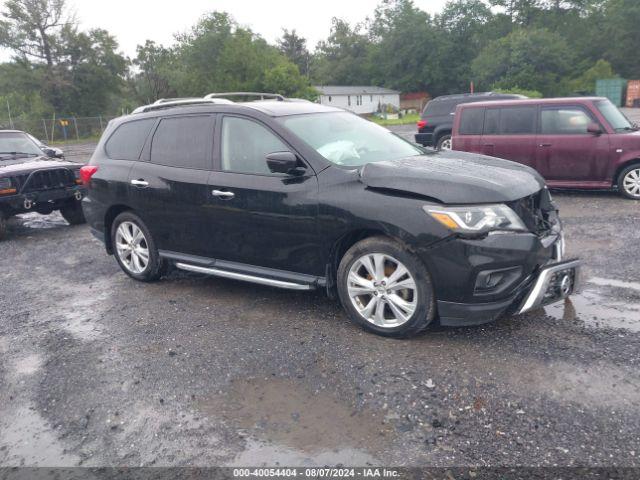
480 95
276 108
11 131
532 101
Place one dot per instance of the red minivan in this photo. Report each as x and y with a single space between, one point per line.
573 142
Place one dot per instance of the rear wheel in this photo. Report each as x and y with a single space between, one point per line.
386 289
135 249
73 213
444 143
629 182
3 225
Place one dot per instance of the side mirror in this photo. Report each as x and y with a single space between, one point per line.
594 129
49 152
284 162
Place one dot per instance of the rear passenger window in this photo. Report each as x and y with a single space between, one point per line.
492 121
564 121
517 120
183 142
471 121
127 141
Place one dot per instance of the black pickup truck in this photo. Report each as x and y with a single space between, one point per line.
31 181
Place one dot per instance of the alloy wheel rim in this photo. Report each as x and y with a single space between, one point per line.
631 182
446 145
132 247
382 290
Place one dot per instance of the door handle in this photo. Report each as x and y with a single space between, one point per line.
545 144
139 183
223 194
488 145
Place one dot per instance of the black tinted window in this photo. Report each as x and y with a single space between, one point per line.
441 107
517 120
127 141
245 145
492 121
471 121
183 142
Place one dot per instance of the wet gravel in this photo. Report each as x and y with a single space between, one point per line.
97 369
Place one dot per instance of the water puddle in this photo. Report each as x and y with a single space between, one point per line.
35 220
260 454
27 440
283 421
597 310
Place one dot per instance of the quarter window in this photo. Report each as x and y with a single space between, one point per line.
517 120
492 121
471 121
245 145
127 141
183 142
564 121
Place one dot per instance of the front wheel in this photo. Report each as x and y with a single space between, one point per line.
386 289
135 249
73 213
629 182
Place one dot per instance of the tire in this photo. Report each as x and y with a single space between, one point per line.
148 270
416 305
629 182
73 213
3 226
444 142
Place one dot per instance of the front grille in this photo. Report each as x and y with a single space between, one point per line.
537 211
44 180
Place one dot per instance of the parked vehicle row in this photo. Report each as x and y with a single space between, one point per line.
302 196
436 121
32 181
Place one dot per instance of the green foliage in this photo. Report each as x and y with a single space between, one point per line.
586 83
520 91
532 47
532 59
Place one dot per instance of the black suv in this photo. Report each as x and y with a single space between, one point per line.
302 196
30 181
436 122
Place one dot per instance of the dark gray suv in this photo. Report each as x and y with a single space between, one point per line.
436 122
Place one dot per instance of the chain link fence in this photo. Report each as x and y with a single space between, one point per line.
59 128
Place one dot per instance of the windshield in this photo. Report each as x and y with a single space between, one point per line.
615 117
346 139
17 143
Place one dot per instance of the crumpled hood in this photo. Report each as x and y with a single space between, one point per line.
29 164
455 177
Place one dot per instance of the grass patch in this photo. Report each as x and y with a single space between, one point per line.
406 120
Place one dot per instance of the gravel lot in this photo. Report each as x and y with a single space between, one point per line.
97 369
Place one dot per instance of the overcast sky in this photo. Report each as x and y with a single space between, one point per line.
134 21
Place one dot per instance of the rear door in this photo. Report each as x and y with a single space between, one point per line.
257 217
169 186
510 133
565 150
468 136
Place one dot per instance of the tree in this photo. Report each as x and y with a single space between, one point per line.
534 59
32 28
294 47
620 33
155 63
586 83
343 58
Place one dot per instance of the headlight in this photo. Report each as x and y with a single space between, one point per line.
476 219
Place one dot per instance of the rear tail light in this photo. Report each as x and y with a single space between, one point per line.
87 172
421 124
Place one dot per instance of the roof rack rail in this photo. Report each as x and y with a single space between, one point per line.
173 102
262 95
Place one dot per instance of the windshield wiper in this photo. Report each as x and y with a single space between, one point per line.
20 153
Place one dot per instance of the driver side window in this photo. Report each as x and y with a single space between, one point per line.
245 145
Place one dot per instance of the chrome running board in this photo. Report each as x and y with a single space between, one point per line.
243 276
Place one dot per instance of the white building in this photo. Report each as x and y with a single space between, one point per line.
361 100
